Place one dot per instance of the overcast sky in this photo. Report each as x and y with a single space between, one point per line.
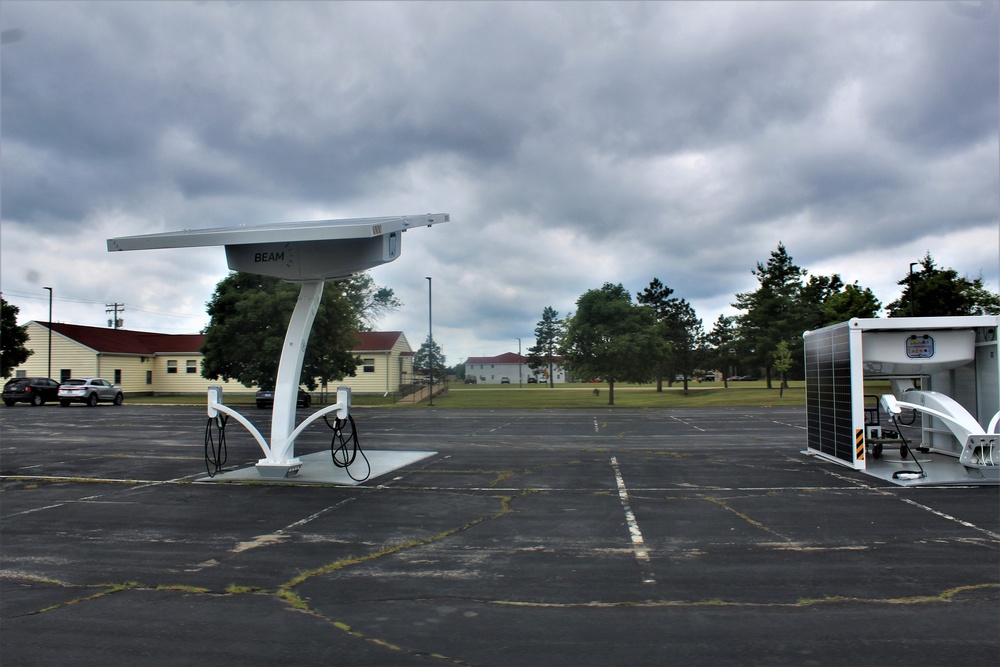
573 144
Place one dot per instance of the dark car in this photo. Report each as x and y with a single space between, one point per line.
90 391
265 398
30 390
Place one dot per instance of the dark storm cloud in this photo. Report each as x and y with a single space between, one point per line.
574 143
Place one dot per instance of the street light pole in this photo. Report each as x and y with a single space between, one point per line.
50 332
913 289
430 338
519 363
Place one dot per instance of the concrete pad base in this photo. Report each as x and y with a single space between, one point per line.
938 470
318 468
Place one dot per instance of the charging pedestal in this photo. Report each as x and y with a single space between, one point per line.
308 253
944 370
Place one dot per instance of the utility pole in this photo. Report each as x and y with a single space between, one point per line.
49 376
430 338
115 308
519 385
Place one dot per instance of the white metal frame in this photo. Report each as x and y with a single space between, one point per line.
316 250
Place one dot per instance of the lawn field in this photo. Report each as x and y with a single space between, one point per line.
595 395
568 396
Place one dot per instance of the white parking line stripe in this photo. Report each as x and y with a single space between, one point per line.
638 545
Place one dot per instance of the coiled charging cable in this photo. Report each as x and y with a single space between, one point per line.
345 447
216 452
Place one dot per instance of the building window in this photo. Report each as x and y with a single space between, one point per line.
118 376
192 366
149 377
368 365
171 366
65 374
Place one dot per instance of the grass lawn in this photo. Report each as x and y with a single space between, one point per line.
579 395
626 396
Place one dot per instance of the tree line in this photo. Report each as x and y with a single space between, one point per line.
655 337
658 337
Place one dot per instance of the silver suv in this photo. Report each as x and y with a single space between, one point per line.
89 391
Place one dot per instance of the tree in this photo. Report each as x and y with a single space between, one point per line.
782 362
611 338
249 317
543 354
934 292
771 313
814 293
721 346
785 305
852 301
428 359
13 352
370 301
680 328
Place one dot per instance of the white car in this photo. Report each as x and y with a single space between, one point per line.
90 391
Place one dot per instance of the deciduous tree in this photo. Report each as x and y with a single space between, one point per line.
782 362
13 351
249 317
852 301
611 338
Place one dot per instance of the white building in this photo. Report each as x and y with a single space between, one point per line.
510 367
142 362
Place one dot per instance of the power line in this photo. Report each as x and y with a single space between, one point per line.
45 297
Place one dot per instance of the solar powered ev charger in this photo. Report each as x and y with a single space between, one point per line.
944 375
309 253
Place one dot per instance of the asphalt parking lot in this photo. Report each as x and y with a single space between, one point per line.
612 537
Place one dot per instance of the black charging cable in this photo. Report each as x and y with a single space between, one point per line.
905 449
216 452
344 447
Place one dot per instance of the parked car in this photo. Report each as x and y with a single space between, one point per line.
265 398
532 380
470 379
90 391
30 390
504 380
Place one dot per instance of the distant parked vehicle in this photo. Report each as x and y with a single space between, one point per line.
504 380
35 391
90 391
470 380
532 380
265 398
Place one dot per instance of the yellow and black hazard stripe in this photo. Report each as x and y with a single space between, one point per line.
859 444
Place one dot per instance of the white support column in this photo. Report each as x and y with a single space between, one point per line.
286 388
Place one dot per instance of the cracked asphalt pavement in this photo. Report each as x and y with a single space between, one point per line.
609 537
